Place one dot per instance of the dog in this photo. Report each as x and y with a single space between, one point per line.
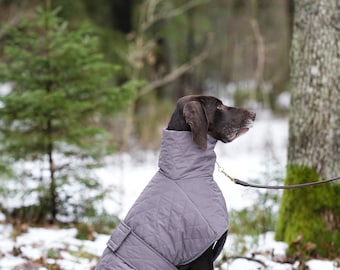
180 220
204 115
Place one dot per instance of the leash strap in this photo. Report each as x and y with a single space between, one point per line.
310 184
246 184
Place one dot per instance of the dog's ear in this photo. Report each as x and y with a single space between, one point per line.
196 118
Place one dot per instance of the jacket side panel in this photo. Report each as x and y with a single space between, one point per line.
110 261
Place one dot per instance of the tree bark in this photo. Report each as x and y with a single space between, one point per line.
314 134
314 128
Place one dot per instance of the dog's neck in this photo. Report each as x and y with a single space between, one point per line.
180 158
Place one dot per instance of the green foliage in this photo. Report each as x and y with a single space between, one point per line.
253 220
85 232
34 213
58 76
53 253
61 88
247 225
100 223
315 217
104 223
260 217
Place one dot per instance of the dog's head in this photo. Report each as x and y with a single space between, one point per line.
208 115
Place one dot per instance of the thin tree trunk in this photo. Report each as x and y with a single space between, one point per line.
52 192
50 149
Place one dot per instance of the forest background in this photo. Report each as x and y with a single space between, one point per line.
177 49
234 49
75 63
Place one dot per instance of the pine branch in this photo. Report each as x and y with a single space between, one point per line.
15 21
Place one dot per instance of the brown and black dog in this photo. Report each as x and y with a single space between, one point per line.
204 115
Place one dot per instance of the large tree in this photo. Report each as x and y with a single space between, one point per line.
313 214
61 87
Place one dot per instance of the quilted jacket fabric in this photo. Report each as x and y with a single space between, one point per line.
180 213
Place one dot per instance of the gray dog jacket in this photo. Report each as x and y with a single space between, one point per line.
179 214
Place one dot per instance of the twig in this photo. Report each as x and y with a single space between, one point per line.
260 46
153 18
175 73
247 258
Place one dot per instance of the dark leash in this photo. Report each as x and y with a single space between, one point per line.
246 184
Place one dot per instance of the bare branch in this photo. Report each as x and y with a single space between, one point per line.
260 46
176 72
247 258
152 18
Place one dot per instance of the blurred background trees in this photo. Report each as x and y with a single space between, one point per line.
234 47
60 88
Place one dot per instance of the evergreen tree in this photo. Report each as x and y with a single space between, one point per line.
61 87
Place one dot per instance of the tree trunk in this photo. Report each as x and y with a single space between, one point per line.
314 127
314 137
53 187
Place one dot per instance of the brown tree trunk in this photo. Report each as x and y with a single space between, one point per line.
314 127
53 186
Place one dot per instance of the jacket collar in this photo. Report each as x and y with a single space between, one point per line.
180 158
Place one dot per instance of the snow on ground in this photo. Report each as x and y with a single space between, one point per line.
60 247
253 156
53 246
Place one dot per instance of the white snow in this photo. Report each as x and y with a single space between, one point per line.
38 242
